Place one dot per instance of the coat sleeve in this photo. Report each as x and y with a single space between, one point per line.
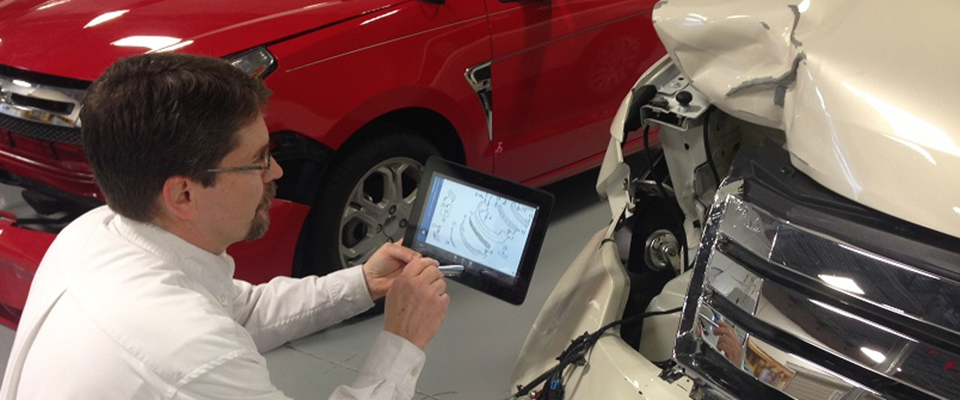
285 308
390 373
232 377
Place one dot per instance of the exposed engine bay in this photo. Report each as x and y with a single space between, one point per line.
786 288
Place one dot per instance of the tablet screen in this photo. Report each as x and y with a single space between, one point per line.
494 228
473 227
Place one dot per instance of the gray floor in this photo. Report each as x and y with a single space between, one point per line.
473 355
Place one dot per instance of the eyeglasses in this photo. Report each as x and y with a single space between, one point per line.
264 167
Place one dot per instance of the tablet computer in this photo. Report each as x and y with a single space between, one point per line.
493 227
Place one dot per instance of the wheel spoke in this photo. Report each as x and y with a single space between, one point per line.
414 169
363 250
391 183
360 203
368 219
404 209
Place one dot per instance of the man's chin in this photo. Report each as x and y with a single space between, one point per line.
261 219
259 225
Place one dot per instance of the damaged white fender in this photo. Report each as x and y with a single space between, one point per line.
865 90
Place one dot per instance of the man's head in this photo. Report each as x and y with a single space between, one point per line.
157 127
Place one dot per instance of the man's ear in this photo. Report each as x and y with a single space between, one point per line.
178 198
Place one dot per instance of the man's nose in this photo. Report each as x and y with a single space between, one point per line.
275 172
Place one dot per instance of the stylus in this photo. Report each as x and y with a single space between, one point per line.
451 270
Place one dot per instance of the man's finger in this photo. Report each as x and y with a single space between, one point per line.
417 265
445 300
398 252
429 262
438 286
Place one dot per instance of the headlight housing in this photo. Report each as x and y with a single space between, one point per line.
823 297
257 62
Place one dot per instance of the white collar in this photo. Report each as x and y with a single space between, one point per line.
213 271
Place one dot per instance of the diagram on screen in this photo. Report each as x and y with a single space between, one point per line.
481 226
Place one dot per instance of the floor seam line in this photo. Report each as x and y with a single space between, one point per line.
321 358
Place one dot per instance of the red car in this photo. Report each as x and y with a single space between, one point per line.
364 92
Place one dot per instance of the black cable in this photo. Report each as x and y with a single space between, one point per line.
686 251
635 318
706 147
663 192
578 347
653 170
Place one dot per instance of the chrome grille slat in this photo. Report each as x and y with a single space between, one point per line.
917 293
40 131
785 341
811 288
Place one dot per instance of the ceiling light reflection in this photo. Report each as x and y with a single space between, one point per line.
52 4
695 19
379 17
873 354
150 42
909 127
105 17
842 283
173 47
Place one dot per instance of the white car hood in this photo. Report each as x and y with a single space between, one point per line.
867 91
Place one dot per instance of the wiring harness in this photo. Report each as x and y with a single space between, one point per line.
575 354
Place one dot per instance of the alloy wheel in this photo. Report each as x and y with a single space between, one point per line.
378 209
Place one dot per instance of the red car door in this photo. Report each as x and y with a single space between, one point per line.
559 71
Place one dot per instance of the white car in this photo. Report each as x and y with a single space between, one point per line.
798 236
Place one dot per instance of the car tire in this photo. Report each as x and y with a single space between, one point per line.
366 199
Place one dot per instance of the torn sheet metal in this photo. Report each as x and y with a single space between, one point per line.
866 91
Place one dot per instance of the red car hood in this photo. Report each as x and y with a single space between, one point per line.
80 38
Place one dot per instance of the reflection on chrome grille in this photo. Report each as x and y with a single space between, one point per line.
812 316
40 131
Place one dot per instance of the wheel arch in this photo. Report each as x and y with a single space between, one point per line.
425 122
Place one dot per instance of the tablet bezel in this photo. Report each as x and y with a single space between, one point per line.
543 201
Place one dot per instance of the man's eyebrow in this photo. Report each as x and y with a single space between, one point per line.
259 154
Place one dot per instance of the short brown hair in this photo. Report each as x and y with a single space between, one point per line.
151 117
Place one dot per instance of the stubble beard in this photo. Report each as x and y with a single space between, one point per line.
261 219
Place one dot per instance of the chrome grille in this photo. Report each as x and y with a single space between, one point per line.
40 99
40 131
810 307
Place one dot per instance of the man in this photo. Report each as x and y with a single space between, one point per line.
137 301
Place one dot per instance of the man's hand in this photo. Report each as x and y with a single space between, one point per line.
417 302
384 267
729 341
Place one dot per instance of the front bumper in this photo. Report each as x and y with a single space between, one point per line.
827 299
593 292
20 253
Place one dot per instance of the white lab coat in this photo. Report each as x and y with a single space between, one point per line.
125 310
